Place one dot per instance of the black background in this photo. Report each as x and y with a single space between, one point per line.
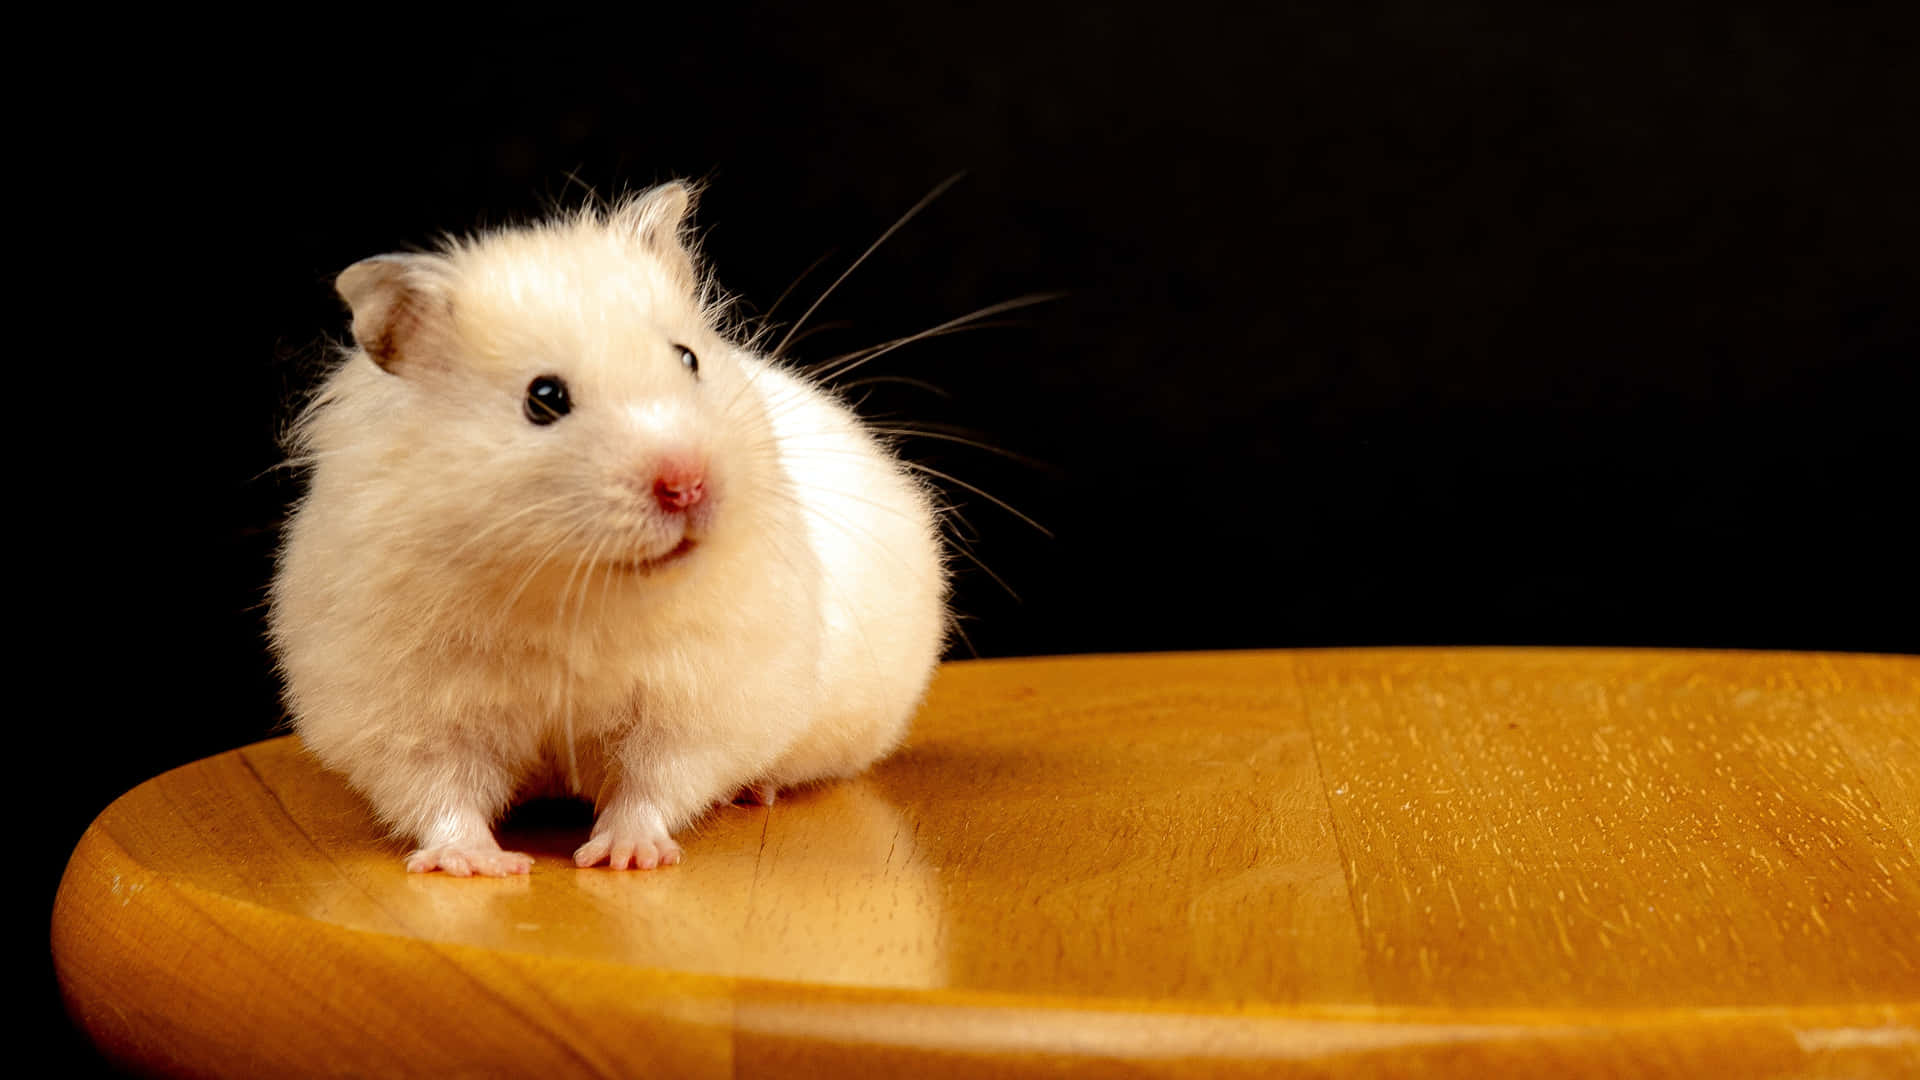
1423 324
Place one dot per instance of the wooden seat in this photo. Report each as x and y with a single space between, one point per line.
1425 862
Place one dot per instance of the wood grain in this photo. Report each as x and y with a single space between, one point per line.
1349 862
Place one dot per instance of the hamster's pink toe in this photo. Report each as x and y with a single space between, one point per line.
624 851
505 864
460 862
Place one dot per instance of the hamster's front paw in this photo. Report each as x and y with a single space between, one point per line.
466 862
620 845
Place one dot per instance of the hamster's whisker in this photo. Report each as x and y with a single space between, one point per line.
924 202
599 544
929 471
845 528
821 328
961 535
540 564
964 544
922 433
587 562
953 623
606 577
777 410
832 366
299 461
968 321
573 763
801 453
994 499
779 547
794 500
536 507
788 291
754 372
566 590
290 465
840 493
967 550
956 525
567 678
903 380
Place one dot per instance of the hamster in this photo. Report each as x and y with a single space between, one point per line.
564 534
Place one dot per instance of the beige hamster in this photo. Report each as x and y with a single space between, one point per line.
564 535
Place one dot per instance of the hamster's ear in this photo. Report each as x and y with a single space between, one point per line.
658 219
393 303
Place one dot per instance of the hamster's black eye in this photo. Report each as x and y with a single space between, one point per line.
547 399
688 360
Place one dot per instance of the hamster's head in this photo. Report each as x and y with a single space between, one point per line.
559 395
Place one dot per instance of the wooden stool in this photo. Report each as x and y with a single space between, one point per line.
1428 862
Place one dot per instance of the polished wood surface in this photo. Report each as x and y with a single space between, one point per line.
1346 862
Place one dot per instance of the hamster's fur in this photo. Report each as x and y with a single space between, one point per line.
699 574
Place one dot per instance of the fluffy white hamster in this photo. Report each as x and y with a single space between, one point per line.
563 534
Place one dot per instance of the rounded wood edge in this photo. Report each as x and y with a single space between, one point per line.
1375 653
168 978
788 1032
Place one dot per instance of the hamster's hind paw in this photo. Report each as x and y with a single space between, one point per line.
467 862
620 848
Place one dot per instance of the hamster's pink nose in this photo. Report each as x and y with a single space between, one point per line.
679 485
